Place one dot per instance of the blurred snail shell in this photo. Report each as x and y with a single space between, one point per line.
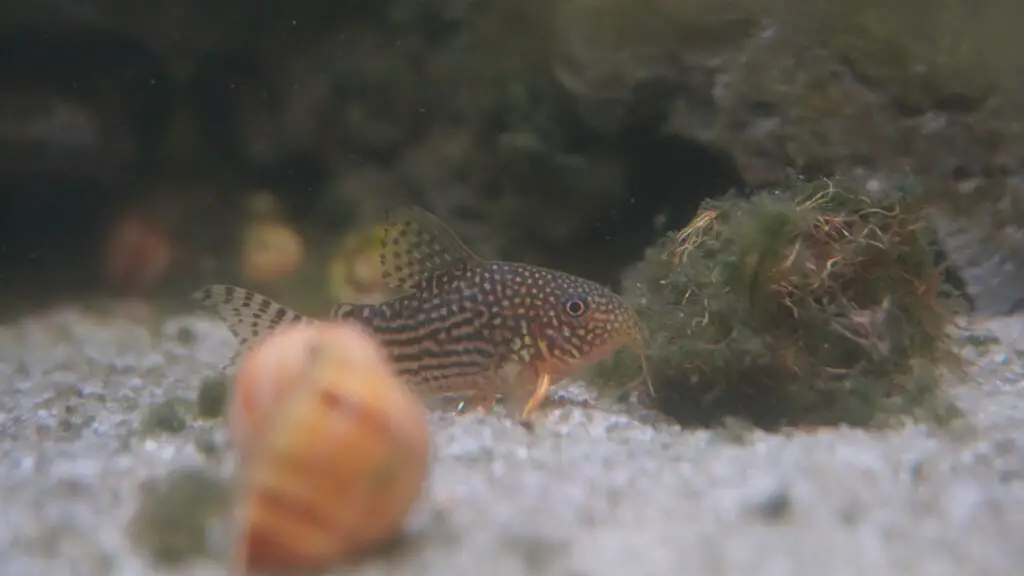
334 448
137 253
271 250
354 268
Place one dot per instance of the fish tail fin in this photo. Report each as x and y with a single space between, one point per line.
248 315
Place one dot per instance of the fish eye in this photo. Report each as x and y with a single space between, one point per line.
576 306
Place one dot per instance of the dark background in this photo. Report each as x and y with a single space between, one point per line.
566 134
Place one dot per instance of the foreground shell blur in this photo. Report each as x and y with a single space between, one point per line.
334 448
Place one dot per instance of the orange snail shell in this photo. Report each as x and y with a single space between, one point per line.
271 250
137 253
334 448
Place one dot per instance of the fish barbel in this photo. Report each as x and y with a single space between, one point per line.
462 324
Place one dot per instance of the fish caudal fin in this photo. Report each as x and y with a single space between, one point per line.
248 315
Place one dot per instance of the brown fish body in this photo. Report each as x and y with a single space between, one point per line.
467 324
464 324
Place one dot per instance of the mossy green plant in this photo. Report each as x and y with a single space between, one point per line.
809 307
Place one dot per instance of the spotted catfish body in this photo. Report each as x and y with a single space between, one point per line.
463 324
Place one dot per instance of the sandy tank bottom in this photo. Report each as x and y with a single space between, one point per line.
590 492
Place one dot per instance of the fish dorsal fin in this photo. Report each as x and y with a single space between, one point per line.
417 244
248 315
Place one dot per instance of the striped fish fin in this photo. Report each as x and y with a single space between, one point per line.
416 244
248 315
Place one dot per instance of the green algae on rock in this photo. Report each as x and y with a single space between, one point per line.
176 514
927 55
167 417
813 306
212 396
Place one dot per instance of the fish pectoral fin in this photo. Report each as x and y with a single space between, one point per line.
540 393
417 244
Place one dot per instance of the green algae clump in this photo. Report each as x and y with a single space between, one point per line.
810 307
179 515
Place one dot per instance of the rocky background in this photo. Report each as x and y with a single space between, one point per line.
568 133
